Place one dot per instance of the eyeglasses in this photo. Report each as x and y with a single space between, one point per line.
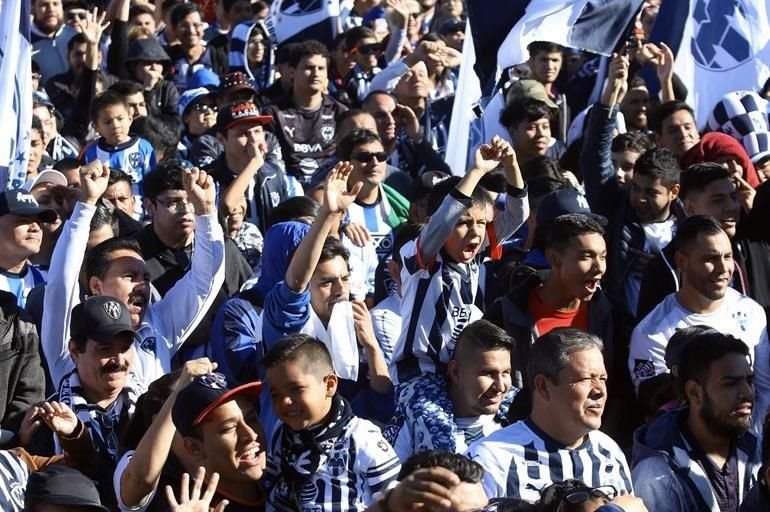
190 27
368 49
367 156
176 205
583 494
76 15
36 76
204 108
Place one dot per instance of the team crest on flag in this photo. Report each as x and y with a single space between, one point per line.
719 43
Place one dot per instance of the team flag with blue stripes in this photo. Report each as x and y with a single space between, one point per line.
300 20
15 91
720 46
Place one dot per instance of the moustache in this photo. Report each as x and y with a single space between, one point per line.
114 367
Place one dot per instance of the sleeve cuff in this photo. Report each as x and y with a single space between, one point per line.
518 193
461 198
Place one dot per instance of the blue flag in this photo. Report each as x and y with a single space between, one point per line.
299 20
15 92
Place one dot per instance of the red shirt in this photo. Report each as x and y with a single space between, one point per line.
546 318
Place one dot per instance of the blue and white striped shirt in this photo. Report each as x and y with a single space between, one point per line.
22 283
521 460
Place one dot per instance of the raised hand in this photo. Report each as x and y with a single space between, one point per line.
30 424
337 197
407 120
93 25
489 156
617 80
398 13
194 501
59 418
94 178
200 190
194 368
362 322
745 192
665 61
357 233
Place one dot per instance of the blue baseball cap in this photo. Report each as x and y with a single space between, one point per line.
563 202
191 96
203 77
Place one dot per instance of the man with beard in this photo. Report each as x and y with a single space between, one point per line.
703 456
115 267
560 439
704 258
50 36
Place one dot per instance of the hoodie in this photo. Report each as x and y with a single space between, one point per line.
264 74
668 479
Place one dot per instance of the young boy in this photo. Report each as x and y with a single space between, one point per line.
115 147
323 457
440 286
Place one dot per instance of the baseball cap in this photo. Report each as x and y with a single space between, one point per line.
451 26
65 486
204 394
42 98
51 176
189 97
203 77
20 202
236 81
422 186
100 318
528 88
562 202
239 112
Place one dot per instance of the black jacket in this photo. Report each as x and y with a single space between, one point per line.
752 277
167 266
22 381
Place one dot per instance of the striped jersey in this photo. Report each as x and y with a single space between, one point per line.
135 157
469 430
21 283
440 297
376 218
361 464
521 460
14 474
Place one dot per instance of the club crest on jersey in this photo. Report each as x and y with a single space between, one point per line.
135 160
327 132
112 309
148 345
301 7
742 319
338 463
17 494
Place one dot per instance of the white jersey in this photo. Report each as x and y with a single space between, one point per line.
739 316
20 284
361 464
469 430
165 325
377 219
386 320
521 460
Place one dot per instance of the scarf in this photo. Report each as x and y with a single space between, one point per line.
339 337
102 424
303 452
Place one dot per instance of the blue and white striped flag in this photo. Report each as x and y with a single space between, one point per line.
720 46
300 20
15 91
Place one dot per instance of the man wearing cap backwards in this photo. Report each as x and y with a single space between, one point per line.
202 424
20 238
116 268
566 296
243 170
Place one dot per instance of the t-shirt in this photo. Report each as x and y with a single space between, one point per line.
547 319
21 283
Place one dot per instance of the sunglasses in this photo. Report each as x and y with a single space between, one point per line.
204 108
367 156
76 15
583 494
368 49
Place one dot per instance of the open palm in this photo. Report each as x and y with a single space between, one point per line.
337 197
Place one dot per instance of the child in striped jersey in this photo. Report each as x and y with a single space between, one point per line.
116 147
440 285
322 457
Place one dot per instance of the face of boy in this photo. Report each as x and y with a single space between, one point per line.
580 267
329 285
233 442
113 123
465 240
301 395
531 139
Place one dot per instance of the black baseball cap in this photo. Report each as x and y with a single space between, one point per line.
563 202
100 318
61 485
204 394
240 112
422 186
20 202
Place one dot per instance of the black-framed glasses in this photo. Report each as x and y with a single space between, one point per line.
176 205
205 108
368 49
367 156
583 494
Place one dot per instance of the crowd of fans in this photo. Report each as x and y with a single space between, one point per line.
242 276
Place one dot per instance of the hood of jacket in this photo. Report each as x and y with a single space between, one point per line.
281 240
263 74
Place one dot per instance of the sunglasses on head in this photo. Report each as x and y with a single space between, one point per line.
368 156
583 494
368 49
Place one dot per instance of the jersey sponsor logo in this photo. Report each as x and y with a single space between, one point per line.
327 132
382 445
148 345
290 130
275 198
112 309
135 160
307 148
643 368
